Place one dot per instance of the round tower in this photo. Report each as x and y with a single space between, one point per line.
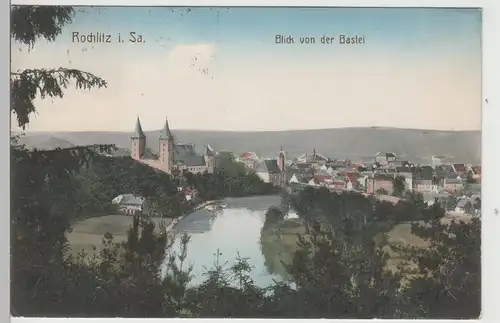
137 142
166 149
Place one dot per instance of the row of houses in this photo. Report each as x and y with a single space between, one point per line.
318 170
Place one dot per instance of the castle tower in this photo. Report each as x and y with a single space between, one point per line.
282 159
166 149
209 158
137 142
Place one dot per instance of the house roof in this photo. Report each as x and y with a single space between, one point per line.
403 169
138 133
129 199
387 155
272 166
383 177
450 175
453 181
209 151
445 168
321 178
462 202
302 165
459 168
192 161
249 154
183 152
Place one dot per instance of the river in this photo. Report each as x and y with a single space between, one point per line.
236 229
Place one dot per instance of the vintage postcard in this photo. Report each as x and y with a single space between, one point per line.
245 162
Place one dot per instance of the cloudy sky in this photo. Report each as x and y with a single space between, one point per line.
220 69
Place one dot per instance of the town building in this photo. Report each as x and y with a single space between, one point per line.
424 186
250 160
385 158
440 160
129 203
380 182
171 155
273 170
453 184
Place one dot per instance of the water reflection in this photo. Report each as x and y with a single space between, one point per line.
234 230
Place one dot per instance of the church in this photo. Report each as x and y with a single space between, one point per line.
171 155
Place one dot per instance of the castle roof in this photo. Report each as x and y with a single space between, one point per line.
209 151
138 130
165 133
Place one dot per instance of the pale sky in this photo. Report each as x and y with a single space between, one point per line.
221 70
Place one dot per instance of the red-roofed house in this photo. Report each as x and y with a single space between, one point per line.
250 159
320 180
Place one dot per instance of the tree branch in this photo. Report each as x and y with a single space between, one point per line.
26 85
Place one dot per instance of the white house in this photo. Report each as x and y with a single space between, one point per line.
293 179
129 203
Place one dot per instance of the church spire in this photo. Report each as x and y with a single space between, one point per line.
165 133
138 130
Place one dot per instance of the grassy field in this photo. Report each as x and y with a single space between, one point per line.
286 238
89 232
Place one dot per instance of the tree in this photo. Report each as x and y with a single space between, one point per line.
468 207
447 281
382 191
451 202
477 205
470 178
38 238
399 185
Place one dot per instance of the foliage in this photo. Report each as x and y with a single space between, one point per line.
447 282
30 23
399 185
382 191
451 202
230 179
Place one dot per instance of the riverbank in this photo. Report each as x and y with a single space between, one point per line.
86 234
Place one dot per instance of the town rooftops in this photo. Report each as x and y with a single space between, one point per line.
453 181
269 166
459 168
318 179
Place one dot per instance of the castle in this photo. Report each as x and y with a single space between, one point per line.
171 155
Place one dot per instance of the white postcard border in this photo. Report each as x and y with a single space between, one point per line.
490 135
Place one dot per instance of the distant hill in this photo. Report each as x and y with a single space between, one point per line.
411 144
45 142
